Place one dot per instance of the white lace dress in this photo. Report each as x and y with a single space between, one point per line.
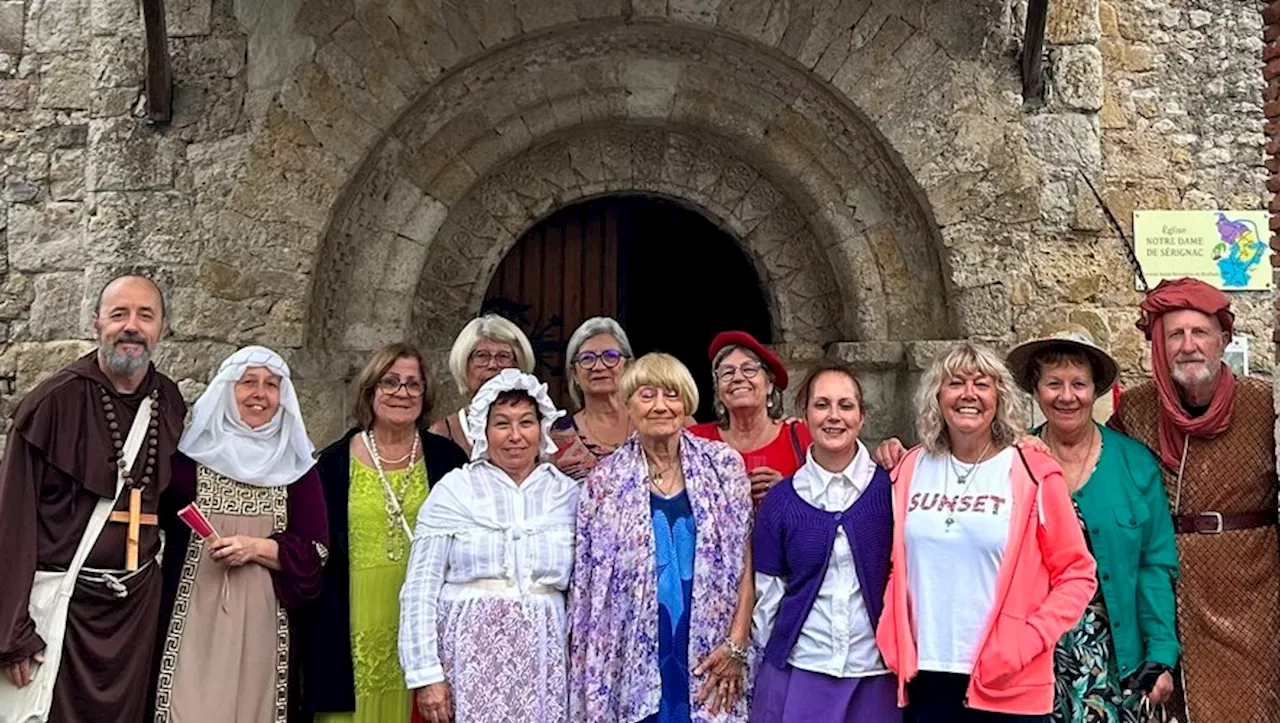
483 605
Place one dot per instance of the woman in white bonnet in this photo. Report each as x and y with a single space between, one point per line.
483 628
246 463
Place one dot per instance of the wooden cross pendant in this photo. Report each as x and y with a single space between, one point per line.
135 519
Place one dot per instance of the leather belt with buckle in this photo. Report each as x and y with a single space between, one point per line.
1215 523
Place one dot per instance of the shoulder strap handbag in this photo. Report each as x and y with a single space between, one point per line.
800 451
51 595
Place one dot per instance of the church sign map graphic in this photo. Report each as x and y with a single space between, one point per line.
1228 249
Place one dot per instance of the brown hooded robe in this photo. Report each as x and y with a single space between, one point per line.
57 464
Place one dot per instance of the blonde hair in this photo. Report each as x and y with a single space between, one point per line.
664 372
365 385
494 328
968 358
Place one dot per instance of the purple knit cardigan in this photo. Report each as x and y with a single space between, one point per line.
793 539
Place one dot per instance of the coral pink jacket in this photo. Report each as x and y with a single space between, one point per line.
1045 581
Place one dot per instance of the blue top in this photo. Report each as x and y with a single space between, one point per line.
792 540
674 534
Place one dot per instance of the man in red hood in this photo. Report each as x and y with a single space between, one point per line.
1214 435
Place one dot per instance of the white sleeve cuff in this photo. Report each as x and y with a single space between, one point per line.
769 593
424 676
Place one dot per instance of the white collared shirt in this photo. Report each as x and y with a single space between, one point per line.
837 637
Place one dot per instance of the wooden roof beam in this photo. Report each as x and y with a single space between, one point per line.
159 80
1033 51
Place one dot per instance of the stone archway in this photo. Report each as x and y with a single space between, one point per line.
670 275
824 209
605 107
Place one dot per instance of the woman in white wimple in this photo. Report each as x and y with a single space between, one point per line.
229 602
483 628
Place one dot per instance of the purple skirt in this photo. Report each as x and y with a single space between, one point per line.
794 695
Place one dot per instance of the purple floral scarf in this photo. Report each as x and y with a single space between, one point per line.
613 672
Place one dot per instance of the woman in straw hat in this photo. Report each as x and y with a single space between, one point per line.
1114 666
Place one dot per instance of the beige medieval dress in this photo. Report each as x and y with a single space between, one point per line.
1229 590
226 652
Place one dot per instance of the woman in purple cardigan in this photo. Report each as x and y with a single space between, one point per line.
820 587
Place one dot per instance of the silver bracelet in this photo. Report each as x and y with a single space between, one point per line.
736 652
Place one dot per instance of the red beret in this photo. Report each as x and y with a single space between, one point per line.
746 341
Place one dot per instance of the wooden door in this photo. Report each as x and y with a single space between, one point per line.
560 273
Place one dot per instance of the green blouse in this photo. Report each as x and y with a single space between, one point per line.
1127 517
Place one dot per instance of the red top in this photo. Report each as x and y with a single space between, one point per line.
781 454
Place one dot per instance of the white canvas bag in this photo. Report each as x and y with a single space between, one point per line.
51 594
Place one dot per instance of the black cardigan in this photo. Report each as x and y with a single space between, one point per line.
327 676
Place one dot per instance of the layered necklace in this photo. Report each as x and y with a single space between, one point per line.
962 475
656 474
392 498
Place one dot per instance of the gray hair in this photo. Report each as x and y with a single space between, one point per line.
593 327
968 358
773 403
495 328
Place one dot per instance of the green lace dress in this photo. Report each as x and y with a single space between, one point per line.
375 592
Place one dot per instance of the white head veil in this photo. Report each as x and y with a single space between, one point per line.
273 455
507 380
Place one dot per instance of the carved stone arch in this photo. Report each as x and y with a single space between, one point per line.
631 107
484 225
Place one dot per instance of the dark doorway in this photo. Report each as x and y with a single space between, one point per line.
670 276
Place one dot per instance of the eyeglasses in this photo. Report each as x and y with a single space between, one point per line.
609 357
393 385
482 358
749 371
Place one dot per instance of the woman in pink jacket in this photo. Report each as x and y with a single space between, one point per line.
989 565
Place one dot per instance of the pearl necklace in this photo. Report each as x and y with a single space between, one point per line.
392 503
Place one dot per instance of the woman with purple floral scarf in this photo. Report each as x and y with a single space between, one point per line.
662 590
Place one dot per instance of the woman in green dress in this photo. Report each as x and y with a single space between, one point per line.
1116 665
375 478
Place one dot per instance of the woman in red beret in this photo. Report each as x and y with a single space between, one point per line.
749 379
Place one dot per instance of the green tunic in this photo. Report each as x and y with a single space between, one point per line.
376 579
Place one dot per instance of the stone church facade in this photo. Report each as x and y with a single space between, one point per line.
338 174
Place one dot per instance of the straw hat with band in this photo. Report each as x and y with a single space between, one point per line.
746 341
1023 358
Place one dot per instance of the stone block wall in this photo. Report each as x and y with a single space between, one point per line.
1181 127
340 172
90 190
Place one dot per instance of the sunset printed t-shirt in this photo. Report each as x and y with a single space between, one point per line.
952 569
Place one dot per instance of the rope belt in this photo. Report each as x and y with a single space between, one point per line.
115 579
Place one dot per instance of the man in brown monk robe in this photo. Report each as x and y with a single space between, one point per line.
61 458
1214 435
